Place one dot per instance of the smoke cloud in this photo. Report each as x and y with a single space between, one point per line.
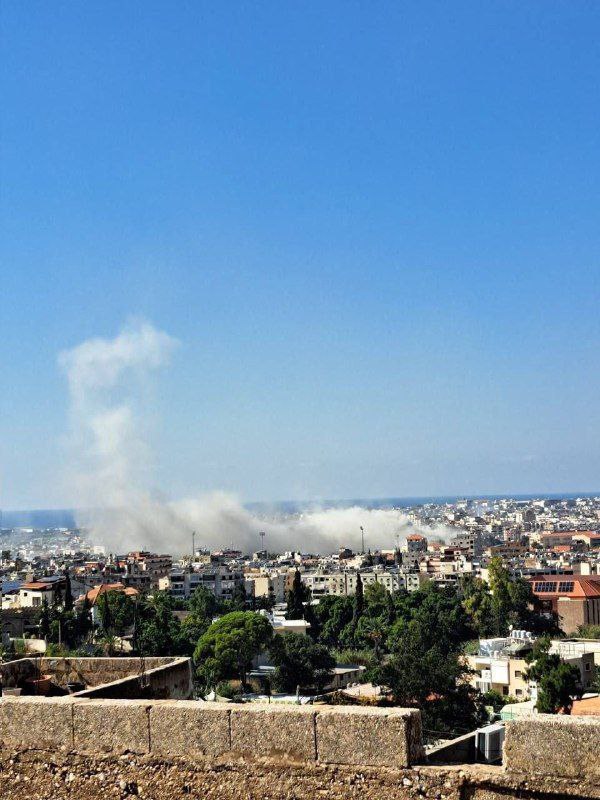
111 473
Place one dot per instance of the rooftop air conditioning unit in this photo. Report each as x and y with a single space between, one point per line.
489 743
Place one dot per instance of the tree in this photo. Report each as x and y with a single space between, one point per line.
157 630
227 648
239 597
477 603
359 599
558 682
333 614
297 596
375 600
117 612
428 676
300 662
68 604
45 620
191 629
83 620
501 599
203 604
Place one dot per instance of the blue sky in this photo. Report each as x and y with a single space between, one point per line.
373 227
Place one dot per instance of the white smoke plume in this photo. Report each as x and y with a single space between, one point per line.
108 380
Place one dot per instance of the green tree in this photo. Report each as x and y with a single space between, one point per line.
477 602
588 631
376 600
239 597
83 621
203 604
191 629
558 682
296 597
117 612
300 662
227 648
68 604
333 614
45 620
359 599
501 599
430 677
157 628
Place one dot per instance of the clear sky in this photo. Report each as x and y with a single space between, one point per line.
374 228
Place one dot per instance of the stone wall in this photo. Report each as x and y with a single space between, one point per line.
129 678
161 750
172 680
333 735
14 673
98 671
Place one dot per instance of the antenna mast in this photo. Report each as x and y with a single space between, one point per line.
362 537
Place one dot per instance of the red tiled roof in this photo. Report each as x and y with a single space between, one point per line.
93 594
37 586
582 586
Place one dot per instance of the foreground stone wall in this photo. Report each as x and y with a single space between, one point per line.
334 735
553 744
161 750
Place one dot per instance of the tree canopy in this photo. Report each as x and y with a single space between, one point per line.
228 646
558 683
300 662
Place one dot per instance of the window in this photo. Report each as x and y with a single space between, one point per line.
505 690
588 666
518 692
518 673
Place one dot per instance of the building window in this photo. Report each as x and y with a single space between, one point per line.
518 673
519 692
505 690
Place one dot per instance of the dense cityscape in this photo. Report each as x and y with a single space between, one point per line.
488 610
300 408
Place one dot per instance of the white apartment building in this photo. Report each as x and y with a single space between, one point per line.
343 584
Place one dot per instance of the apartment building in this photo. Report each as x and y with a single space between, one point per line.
343 584
501 666
575 599
219 579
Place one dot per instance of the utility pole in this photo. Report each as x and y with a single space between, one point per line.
362 536
193 544
262 540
